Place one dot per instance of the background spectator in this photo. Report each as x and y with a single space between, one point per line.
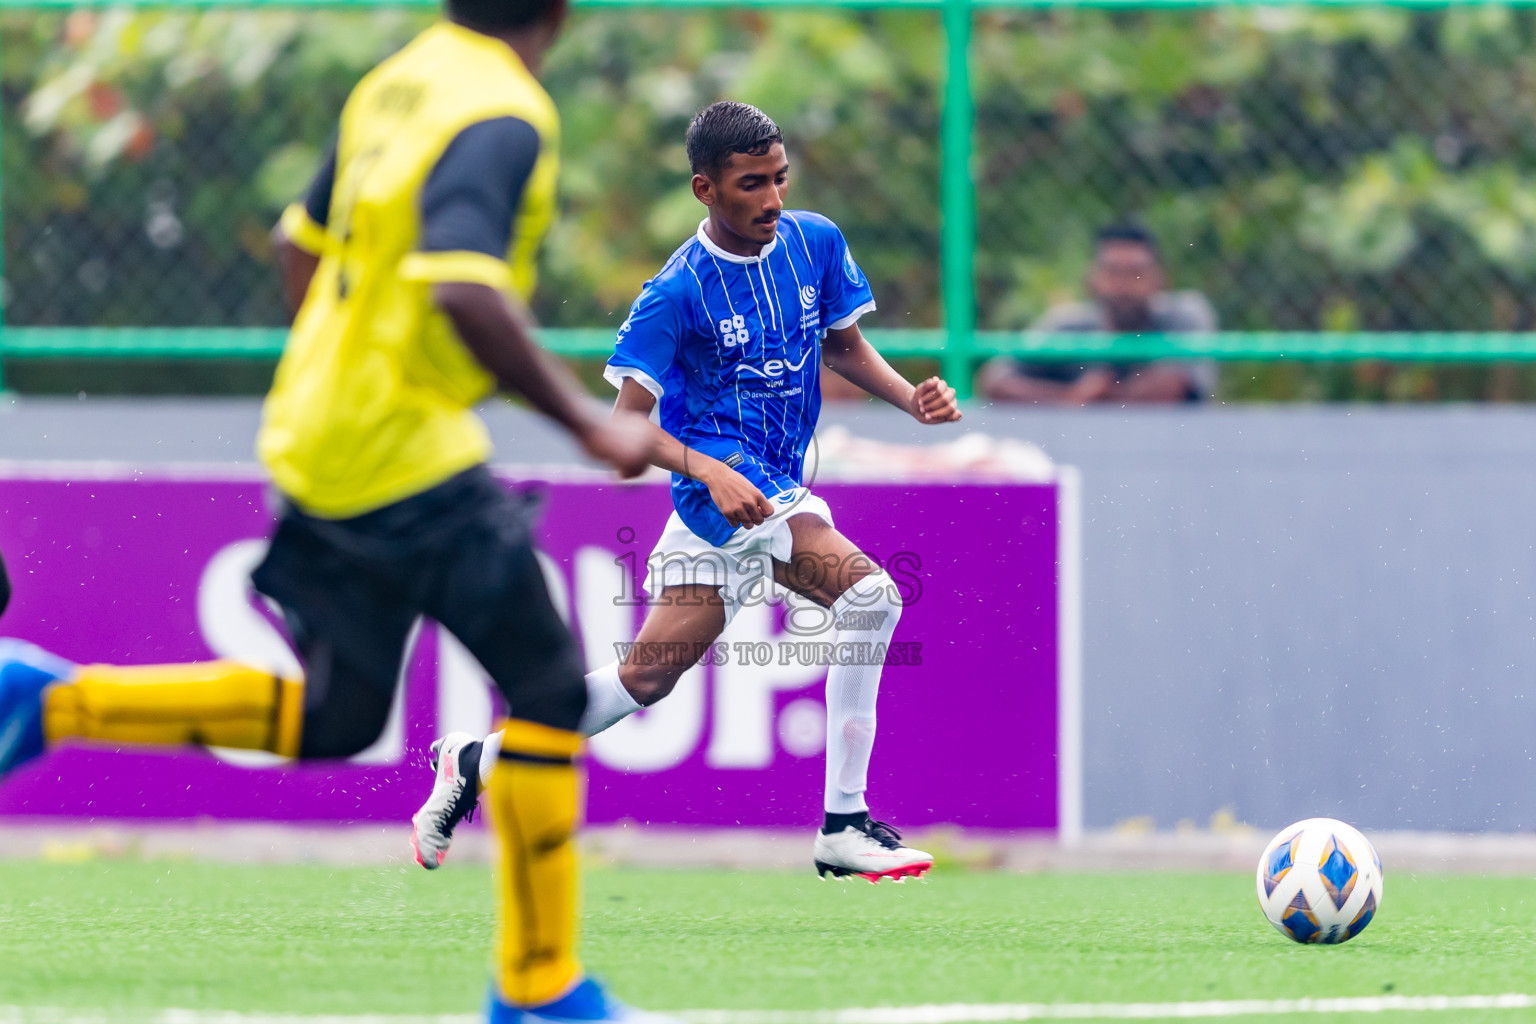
1125 285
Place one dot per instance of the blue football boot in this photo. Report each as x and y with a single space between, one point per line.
25 671
587 1003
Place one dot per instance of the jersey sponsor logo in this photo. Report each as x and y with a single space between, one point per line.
733 331
780 395
808 297
851 268
774 368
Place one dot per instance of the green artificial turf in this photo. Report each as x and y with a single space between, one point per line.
315 940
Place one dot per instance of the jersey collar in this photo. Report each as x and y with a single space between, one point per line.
714 250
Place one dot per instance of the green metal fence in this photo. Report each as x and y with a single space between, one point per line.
1333 211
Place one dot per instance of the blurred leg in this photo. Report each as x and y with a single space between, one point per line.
487 589
214 703
533 801
349 625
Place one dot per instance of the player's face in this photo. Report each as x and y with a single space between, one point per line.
1124 278
749 195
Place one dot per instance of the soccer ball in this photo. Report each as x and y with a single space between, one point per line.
1319 881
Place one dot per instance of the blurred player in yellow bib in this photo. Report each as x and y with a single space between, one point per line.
409 261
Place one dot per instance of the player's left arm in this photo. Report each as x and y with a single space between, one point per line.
300 235
846 350
846 296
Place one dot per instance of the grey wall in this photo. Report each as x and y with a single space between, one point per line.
1305 611
1288 611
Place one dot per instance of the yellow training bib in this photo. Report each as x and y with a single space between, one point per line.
373 398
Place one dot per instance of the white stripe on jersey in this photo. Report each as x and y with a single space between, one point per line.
735 378
784 436
762 354
768 294
784 335
763 278
803 243
704 304
815 341
810 264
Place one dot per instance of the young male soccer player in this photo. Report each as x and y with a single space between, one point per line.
727 338
410 254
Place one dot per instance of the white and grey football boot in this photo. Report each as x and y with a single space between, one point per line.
455 790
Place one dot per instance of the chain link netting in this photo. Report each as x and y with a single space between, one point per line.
1307 168
148 153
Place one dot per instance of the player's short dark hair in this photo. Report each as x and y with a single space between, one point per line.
499 15
1128 231
727 127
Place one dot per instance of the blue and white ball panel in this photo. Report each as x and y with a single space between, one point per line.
1319 881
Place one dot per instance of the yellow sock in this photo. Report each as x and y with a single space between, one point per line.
213 703
533 798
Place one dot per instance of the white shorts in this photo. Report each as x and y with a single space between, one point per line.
682 557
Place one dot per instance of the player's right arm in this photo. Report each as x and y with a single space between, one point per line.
734 495
499 336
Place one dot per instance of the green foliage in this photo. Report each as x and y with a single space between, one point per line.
1337 168
1308 168
148 153
857 96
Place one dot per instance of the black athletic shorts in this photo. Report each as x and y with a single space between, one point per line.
460 553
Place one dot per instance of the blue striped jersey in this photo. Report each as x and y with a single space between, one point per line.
731 348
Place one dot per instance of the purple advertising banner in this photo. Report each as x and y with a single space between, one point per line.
139 568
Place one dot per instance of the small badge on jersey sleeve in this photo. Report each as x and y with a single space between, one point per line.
851 268
735 459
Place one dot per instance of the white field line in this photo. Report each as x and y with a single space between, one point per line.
961 1013
947 1013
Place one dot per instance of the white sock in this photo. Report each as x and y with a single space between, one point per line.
490 751
866 613
608 703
